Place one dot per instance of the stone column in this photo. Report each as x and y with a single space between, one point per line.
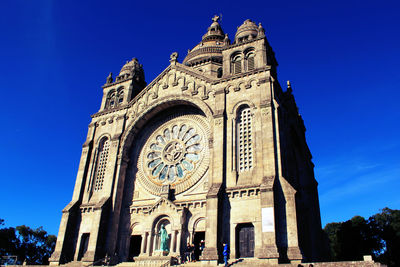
178 243
148 245
144 243
173 240
154 242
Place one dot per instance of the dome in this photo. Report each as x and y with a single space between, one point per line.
246 29
129 66
210 47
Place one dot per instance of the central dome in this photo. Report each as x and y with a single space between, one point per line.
210 47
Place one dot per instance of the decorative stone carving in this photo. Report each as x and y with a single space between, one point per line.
173 57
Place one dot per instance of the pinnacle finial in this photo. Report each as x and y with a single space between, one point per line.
216 18
289 87
109 78
261 31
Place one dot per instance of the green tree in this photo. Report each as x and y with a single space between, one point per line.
387 230
331 230
378 236
352 239
31 245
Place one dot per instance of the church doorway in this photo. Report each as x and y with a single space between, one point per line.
134 247
244 240
84 245
198 237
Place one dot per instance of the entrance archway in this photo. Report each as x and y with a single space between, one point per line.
244 240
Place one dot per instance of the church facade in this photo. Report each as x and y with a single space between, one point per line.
212 149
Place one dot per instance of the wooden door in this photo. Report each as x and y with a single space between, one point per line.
245 240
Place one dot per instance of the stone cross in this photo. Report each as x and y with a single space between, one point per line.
215 18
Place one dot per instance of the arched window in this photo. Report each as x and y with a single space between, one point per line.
111 99
236 64
115 98
120 97
250 61
249 55
244 139
101 164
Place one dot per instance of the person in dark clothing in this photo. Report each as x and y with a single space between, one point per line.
192 256
187 253
201 248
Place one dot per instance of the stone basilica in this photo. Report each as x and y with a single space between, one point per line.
212 149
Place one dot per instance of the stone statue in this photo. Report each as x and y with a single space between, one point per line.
163 238
173 57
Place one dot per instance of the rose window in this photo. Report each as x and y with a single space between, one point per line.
175 154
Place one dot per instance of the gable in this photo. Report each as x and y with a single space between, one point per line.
175 80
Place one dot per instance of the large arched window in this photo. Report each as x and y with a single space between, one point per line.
101 164
244 139
236 66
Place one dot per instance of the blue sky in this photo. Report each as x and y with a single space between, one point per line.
342 58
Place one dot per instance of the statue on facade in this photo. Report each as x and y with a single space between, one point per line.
163 238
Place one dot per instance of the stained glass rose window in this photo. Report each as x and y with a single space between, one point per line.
175 154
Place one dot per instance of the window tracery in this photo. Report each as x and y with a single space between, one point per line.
115 98
102 158
244 141
174 153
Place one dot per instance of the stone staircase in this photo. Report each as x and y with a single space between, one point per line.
162 261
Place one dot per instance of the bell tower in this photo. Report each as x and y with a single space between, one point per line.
127 85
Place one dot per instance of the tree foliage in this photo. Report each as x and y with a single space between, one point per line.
378 236
34 246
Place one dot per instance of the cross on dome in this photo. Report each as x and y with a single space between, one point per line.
216 18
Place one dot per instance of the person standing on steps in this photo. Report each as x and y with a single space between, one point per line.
226 253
